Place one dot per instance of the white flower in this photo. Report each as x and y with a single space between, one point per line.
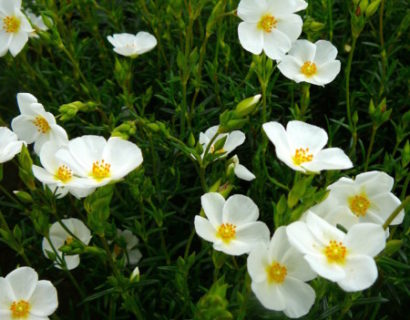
37 21
269 25
311 62
100 161
133 255
241 171
35 124
231 224
9 144
233 140
14 27
278 273
343 258
300 147
130 45
23 296
57 174
59 237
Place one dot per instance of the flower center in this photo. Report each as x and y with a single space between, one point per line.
335 252
64 174
20 309
101 170
226 232
302 156
117 250
359 204
276 272
69 240
308 69
267 23
41 124
11 24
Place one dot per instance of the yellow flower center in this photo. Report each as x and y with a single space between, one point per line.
302 156
276 272
267 23
69 240
64 174
41 124
20 309
226 232
100 170
308 69
335 252
359 204
11 24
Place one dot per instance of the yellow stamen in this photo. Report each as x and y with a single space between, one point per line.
359 204
100 170
276 272
20 309
335 252
267 23
11 24
302 156
226 232
308 69
69 240
64 174
41 124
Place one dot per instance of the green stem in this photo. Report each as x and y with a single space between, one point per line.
352 126
109 255
330 18
395 213
369 150
304 100
245 293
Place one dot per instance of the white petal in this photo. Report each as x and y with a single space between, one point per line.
24 101
24 128
278 245
375 182
327 72
269 295
250 37
304 135
134 256
329 159
210 132
253 233
325 52
243 173
297 266
6 295
322 230
145 42
18 42
384 205
80 169
299 297
301 238
79 229
235 139
258 262
239 209
361 273
251 10
290 68
280 7
204 229
291 25
44 300
303 50
331 271
43 175
213 204
80 192
365 238
233 248
276 44
10 151
23 281
72 262
87 149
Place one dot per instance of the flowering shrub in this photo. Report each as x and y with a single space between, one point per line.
205 159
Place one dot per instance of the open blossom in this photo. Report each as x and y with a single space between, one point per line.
231 225
130 45
99 161
128 247
9 144
279 272
35 124
300 147
311 62
241 171
57 175
14 27
339 257
269 25
59 237
23 296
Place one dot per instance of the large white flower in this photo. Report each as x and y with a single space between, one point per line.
35 124
100 161
311 62
9 144
278 272
231 224
57 174
300 146
130 45
343 258
269 25
129 246
233 140
23 296
59 237
14 27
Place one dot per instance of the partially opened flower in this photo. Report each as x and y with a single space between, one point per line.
23 296
128 247
35 124
14 27
241 171
36 21
339 257
300 147
130 45
231 225
9 144
269 25
59 237
278 273
311 62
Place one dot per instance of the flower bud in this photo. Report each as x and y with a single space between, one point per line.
247 106
135 275
372 8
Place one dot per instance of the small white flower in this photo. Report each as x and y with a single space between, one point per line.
23 296
130 45
59 237
278 273
100 161
343 258
133 255
37 21
269 25
231 224
233 140
35 124
9 144
241 171
311 62
14 27
300 147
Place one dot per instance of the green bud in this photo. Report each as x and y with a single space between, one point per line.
215 186
392 246
405 155
372 8
154 127
218 146
23 196
124 130
225 189
247 106
191 140
135 275
236 124
363 5
355 117
25 169
372 109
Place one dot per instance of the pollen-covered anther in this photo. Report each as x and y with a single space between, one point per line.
226 232
276 272
267 23
11 24
41 124
64 173
308 69
301 156
20 309
359 205
100 170
335 252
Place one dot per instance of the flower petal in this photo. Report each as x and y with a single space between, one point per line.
278 245
23 281
18 43
365 239
361 273
323 231
204 229
291 25
24 128
258 262
239 210
250 37
251 10
269 295
253 233
276 44
305 135
44 300
299 297
327 72
297 267
243 173
331 271
235 139
384 205
289 66
213 204
303 51
325 52
6 295
301 238
329 159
